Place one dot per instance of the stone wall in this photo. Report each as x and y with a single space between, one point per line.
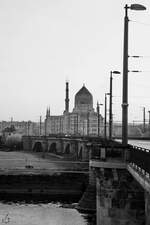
147 208
120 199
64 184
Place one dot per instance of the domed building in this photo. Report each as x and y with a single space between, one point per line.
83 101
83 120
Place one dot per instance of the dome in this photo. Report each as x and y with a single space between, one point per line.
83 100
83 91
83 96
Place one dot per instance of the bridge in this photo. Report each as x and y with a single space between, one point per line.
75 146
120 174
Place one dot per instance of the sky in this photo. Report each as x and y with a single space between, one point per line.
43 43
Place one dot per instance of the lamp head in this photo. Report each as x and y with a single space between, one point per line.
116 72
137 7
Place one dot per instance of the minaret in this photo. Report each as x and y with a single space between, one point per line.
47 112
67 98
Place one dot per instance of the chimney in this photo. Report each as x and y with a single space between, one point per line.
67 98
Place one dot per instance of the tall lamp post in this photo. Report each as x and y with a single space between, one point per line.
110 103
125 73
149 121
40 125
144 119
105 119
98 117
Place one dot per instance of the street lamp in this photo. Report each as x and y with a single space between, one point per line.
98 117
144 119
40 125
149 121
125 73
110 103
105 121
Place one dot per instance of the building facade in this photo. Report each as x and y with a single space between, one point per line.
83 120
22 128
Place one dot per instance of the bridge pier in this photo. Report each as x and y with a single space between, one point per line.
85 153
147 208
120 200
27 143
88 200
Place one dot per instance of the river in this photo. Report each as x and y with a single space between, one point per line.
22 213
40 212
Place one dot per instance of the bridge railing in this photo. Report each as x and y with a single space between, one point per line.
140 159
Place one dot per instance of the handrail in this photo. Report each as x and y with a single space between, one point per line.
140 157
142 149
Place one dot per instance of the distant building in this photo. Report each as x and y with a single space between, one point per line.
19 127
22 127
83 120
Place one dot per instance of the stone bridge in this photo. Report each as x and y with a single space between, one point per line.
76 147
121 175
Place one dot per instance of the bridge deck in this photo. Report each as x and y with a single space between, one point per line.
133 158
108 164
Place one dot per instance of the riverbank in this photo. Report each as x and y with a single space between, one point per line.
51 186
19 160
26 173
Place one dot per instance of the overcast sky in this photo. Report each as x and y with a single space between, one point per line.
45 42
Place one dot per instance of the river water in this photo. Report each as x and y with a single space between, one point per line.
22 213
41 212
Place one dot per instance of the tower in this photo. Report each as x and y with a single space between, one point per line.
48 113
67 98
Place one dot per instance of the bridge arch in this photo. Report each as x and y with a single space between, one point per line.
67 148
52 147
80 152
37 147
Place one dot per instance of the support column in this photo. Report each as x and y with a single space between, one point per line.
119 199
85 153
27 143
147 208
88 201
